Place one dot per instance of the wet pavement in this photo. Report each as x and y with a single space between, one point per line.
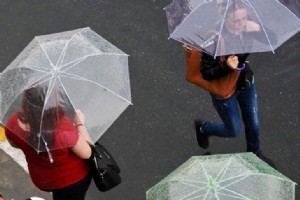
155 135
15 182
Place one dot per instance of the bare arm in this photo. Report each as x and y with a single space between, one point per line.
1 197
256 30
82 148
79 123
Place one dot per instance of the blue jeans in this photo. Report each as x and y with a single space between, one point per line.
244 102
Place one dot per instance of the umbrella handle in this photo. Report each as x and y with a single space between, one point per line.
241 67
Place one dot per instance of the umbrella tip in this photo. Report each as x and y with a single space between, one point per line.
212 183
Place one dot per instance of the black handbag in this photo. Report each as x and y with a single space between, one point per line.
105 170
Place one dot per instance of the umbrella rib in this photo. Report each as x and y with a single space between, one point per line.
206 177
188 181
66 92
207 193
251 174
63 51
229 2
224 169
193 193
287 9
96 54
204 171
216 196
237 194
72 64
44 51
262 26
247 175
239 178
42 116
196 197
62 55
45 102
35 82
39 69
186 18
73 76
234 177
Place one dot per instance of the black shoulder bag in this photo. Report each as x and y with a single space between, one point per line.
105 170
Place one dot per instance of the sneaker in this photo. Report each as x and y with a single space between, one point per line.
201 138
265 159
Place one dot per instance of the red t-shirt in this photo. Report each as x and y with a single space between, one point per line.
66 169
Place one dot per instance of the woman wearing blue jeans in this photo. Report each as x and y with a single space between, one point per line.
238 29
243 100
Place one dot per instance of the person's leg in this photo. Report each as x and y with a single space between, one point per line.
249 107
228 111
76 191
247 99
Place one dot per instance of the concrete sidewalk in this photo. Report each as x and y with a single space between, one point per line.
15 182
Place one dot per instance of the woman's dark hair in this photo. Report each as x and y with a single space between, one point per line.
42 119
236 5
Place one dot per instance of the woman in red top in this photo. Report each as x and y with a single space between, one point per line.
63 171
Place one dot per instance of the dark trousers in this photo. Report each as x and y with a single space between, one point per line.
76 191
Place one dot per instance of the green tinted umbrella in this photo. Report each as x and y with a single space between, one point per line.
224 177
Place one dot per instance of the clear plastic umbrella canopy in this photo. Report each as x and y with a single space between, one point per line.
223 177
293 5
70 70
223 27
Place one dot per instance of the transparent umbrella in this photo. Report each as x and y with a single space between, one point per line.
242 26
293 5
70 70
224 177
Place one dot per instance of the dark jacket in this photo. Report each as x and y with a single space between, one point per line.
215 68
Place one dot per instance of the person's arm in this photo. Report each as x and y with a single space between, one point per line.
210 68
1 197
213 68
79 124
82 149
258 33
